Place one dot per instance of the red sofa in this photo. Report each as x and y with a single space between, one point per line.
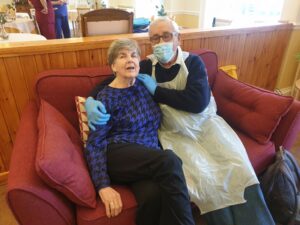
246 108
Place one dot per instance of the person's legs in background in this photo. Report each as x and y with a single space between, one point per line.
58 26
65 27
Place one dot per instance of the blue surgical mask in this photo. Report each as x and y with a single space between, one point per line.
164 52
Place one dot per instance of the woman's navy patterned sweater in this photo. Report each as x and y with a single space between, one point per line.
135 118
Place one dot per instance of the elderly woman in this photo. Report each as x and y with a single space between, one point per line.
126 149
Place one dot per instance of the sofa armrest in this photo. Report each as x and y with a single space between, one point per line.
288 129
31 200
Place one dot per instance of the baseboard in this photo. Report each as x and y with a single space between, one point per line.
3 178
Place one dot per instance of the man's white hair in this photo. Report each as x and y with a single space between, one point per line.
167 20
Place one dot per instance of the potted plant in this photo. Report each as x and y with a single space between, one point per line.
161 10
3 20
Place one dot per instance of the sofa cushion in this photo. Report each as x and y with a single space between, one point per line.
260 155
253 111
59 160
82 118
97 216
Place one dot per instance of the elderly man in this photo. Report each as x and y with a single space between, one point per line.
212 154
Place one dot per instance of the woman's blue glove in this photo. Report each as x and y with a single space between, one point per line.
96 113
148 81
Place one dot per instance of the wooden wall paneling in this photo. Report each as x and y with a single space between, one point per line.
17 82
264 62
234 55
279 43
42 62
142 47
256 59
221 46
207 43
3 178
5 145
95 56
30 70
2 165
70 60
187 45
57 60
104 56
248 59
148 49
8 105
192 44
83 58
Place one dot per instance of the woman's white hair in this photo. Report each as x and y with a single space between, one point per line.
167 20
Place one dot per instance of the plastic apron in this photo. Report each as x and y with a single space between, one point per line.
215 162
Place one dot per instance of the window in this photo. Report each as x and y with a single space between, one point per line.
243 12
146 8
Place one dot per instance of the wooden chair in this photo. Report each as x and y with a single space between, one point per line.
106 21
32 15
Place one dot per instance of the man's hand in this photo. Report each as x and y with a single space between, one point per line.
148 81
112 201
96 113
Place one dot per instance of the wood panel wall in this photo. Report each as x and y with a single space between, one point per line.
257 52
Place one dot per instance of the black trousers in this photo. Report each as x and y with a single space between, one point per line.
160 169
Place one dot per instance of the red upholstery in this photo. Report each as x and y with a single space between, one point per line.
59 158
87 216
254 111
31 200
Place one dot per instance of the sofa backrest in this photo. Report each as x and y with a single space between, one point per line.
59 87
210 60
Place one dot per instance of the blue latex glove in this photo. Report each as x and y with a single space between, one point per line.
148 81
96 113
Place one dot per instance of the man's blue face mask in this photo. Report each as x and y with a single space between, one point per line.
164 52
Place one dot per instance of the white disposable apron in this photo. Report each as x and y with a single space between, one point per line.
215 163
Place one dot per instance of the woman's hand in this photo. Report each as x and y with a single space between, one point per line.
112 201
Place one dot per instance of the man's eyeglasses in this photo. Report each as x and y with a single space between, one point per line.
166 36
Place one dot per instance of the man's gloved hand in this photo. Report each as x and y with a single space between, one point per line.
148 81
96 113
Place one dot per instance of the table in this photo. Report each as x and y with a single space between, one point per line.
23 15
21 25
21 37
